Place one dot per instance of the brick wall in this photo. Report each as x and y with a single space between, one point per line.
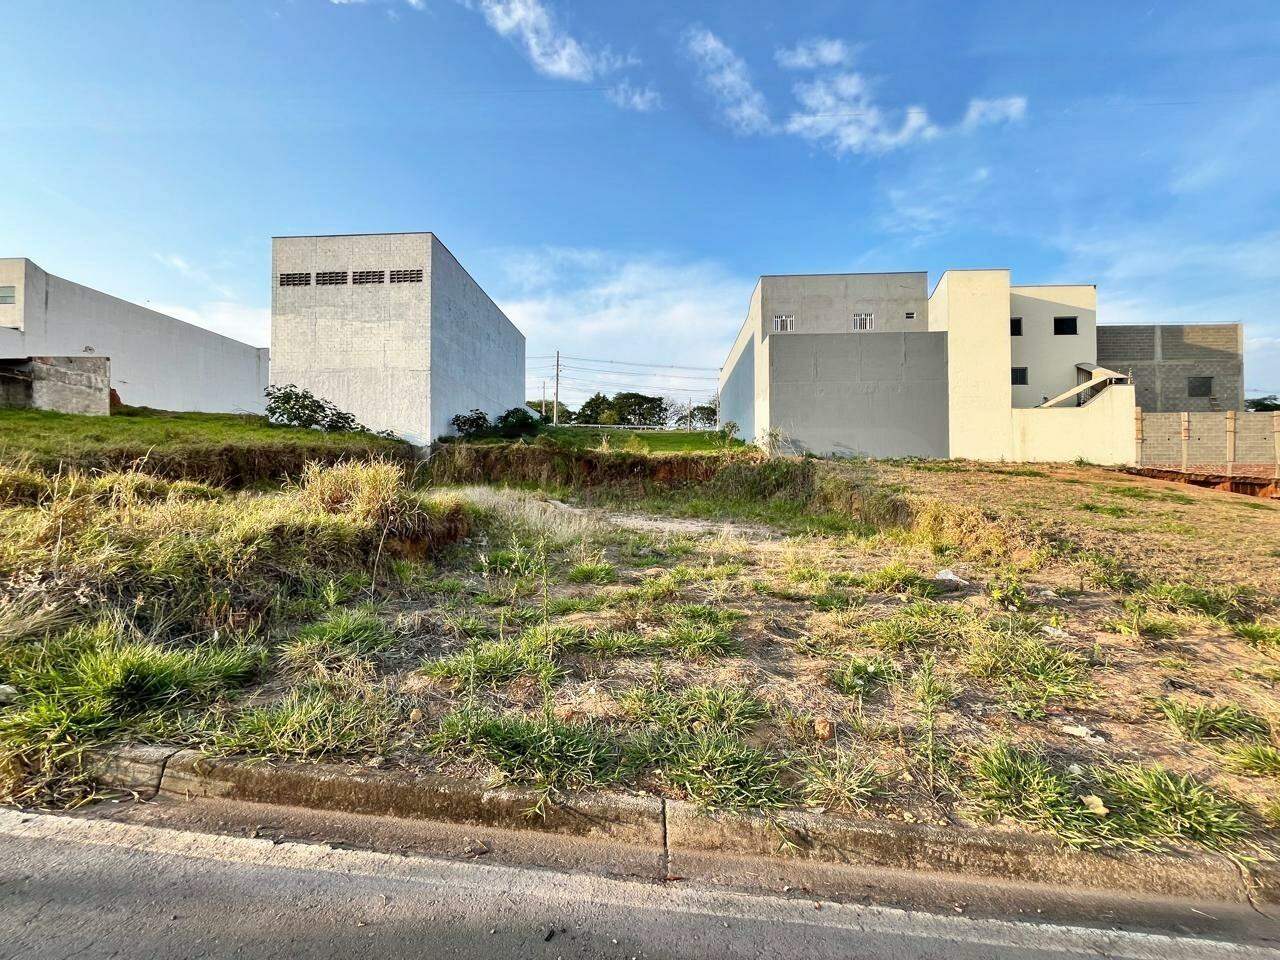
1208 442
1162 358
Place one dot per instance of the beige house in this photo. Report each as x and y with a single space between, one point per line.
874 365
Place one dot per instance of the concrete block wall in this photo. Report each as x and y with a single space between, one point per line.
1162 357
1226 442
66 384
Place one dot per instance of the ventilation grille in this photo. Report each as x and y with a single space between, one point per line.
295 279
331 278
406 276
369 276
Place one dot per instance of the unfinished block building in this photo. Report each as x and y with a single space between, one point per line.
876 365
392 329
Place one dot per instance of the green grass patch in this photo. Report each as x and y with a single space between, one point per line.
1206 722
700 707
1260 635
1255 760
494 662
842 780
859 676
1030 672
922 625
341 633
598 572
718 770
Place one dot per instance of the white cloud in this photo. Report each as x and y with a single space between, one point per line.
649 308
551 49
726 75
641 99
231 319
814 53
841 111
184 267
982 113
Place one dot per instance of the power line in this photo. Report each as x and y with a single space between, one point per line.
628 363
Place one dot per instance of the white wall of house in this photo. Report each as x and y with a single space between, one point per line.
156 360
1050 359
1103 431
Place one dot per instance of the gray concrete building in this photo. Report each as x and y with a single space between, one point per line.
65 384
155 360
1196 368
392 329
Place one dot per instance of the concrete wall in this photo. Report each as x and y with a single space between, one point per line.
402 356
972 306
1102 431
156 360
738 386
477 354
1223 442
1051 359
825 303
1162 357
872 394
65 384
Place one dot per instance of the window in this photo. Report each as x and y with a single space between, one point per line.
295 279
331 278
863 321
1064 326
7 294
1015 326
1019 376
783 322
909 315
406 276
1199 386
369 276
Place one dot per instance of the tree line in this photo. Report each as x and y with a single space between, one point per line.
630 409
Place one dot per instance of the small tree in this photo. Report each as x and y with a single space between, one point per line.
547 409
1265 404
294 406
702 417
594 409
516 422
472 425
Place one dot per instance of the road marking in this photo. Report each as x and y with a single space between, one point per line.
544 885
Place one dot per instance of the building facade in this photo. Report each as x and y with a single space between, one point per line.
981 368
155 360
1197 368
392 329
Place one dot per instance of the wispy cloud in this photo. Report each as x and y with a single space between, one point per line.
641 99
191 272
725 74
813 53
842 112
551 49
983 113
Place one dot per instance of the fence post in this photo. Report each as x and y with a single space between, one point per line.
1186 441
1275 436
1137 434
1231 443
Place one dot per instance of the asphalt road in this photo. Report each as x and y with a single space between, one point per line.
90 888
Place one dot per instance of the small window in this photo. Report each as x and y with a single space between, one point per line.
7 294
909 315
1015 326
863 321
406 276
1019 376
295 279
369 276
783 322
1064 326
1199 386
331 278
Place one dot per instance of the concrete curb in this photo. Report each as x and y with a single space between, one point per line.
685 834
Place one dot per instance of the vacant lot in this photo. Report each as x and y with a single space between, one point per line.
911 641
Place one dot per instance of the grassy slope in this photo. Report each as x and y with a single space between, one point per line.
207 447
634 441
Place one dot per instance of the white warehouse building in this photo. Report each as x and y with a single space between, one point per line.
391 329
155 360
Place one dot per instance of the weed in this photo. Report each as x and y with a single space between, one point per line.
897 577
718 770
921 625
1110 510
700 707
839 781
1203 722
857 676
598 572
494 662
1255 759
311 722
342 633
1260 635
1008 592
1029 671
1229 603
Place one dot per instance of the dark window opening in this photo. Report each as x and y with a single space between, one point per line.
1199 386
1019 376
1064 326
1015 326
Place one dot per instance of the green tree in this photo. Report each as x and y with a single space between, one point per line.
640 410
594 409
1263 404
566 415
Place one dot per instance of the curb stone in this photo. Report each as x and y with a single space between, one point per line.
682 830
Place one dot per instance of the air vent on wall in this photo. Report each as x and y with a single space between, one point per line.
331 278
295 279
406 276
369 276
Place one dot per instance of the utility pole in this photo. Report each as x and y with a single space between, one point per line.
555 411
543 409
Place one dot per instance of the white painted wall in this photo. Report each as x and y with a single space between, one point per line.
1051 359
1103 431
156 360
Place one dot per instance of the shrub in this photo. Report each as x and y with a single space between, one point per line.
293 406
516 422
471 425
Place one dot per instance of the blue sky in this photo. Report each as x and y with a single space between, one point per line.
616 174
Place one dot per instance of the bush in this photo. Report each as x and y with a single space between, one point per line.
516 422
293 406
471 425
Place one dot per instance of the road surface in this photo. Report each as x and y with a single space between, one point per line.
89 888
